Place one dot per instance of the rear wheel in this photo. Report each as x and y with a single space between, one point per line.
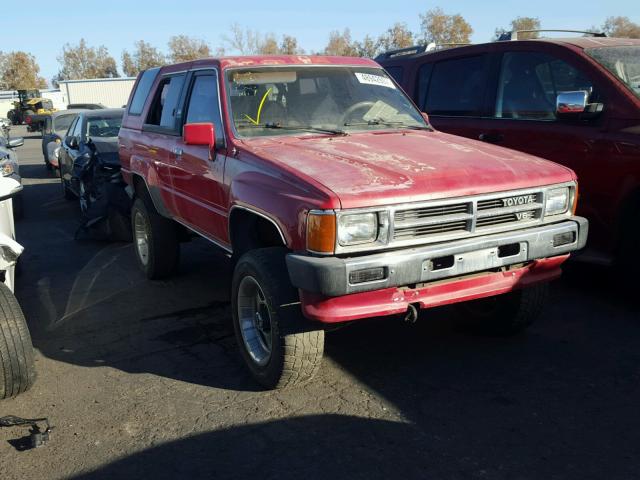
156 240
280 347
507 314
17 371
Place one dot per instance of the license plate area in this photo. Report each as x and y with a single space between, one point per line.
474 261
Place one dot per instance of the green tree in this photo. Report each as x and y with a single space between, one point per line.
519 24
340 43
289 46
398 36
81 61
144 56
441 28
19 70
183 48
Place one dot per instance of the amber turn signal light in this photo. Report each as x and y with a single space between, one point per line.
575 200
321 232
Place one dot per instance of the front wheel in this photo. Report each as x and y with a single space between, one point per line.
507 314
155 239
17 371
280 347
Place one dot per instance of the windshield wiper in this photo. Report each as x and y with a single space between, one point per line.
311 128
390 123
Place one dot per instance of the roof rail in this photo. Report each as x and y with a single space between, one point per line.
431 47
506 36
402 51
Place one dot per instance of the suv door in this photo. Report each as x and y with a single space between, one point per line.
162 132
452 91
524 118
198 172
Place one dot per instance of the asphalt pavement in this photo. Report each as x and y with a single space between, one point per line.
143 379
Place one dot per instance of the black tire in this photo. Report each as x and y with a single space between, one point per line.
508 314
17 371
297 345
163 247
18 207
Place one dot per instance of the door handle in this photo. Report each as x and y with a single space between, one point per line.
177 151
491 137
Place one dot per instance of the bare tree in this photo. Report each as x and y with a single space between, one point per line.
183 48
251 42
398 36
519 24
340 43
621 27
441 28
19 70
82 61
144 56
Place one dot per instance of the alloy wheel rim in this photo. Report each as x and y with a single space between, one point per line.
141 237
255 320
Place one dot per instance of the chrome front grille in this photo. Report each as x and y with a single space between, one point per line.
477 214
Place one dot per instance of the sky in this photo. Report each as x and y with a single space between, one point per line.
117 24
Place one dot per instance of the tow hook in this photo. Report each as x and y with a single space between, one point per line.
412 314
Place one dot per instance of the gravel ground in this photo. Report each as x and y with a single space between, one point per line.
143 379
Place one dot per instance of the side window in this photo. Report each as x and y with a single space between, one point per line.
424 75
77 128
165 111
396 72
71 128
457 87
204 105
529 83
142 91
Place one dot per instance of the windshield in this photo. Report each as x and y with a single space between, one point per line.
331 100
62 123
623 62
103 127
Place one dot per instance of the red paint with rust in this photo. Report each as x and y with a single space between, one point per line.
394 301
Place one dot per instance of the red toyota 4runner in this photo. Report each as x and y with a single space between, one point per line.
337 202
575 101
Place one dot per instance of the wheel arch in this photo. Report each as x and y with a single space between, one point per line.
264 230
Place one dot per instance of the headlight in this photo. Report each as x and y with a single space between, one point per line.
7 167
557 201
357 228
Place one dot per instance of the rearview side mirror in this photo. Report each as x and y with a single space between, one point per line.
71 142
15 142
199 134
571 103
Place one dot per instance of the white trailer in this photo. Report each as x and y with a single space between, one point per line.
110 92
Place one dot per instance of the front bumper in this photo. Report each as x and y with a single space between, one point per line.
330 276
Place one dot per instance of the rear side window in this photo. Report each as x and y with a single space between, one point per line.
142 91
457 87
424 75
165 111
396 73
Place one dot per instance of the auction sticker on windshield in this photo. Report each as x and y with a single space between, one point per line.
371 79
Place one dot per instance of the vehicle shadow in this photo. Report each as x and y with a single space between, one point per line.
38 172
292 448
88 303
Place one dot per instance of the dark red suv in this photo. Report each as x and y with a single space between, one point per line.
575 101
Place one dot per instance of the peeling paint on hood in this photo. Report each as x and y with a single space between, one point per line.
377 168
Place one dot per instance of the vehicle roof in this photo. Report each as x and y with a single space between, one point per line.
578 42
103 112
275 60
68 111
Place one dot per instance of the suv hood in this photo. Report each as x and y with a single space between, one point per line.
380 168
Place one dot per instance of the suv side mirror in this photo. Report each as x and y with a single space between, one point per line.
15 142
571 103
71 142
199 134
